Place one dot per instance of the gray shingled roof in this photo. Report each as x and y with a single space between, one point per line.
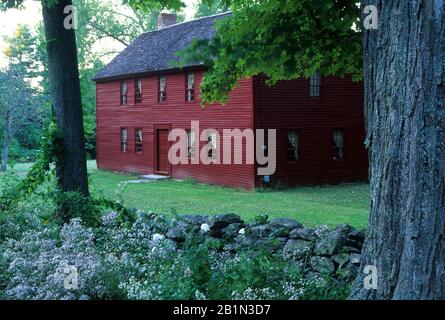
154 51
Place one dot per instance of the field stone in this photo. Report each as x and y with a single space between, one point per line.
357 235
307 234
298 249
244 241
273 244
331 242
178 231
323 265
351 272
287 223
221 221
232 230
355 258
348 249
261 231
195 220
341 259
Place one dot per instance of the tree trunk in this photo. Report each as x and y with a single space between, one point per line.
7 142
65 94
405 119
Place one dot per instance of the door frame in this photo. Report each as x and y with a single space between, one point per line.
156 128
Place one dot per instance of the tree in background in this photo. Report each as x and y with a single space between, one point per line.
208 8
64 80
24 62
18 106
98 22
21 51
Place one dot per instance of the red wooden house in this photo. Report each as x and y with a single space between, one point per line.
141 97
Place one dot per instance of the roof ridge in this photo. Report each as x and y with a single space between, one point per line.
190 21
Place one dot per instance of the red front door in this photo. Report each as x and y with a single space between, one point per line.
162 146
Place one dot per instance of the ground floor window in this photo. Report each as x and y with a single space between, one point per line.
190 143
212 141
124 140
293 146
338 147
138 140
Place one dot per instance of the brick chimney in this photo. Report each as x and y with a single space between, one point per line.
166 19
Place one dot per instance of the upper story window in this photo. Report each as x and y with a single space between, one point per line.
124 140
339 145
190 143
138 141
124 97
293 146
162 89
190 87
315 85
138 91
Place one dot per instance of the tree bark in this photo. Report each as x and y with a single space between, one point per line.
405 120
65 94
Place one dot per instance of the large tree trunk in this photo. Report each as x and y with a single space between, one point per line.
405 113
66 99
7 142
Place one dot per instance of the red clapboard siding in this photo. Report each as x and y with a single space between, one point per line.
175 113
287 106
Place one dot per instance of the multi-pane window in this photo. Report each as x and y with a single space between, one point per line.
162 89
315 85
338 147
190 143
138 91
138 141
190 87
293 146
212 150
124 98
124 140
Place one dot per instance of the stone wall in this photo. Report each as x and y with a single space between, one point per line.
320 250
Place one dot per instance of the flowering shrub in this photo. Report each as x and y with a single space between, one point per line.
139 262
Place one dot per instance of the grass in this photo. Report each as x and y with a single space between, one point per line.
330 205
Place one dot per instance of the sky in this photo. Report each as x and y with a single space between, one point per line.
31 15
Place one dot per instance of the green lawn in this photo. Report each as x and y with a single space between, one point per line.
312 206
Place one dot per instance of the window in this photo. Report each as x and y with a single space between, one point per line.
212 151
138 91
124 140
315 85
338 148
190 143
162 92
293 146
124 99
190 87
138 141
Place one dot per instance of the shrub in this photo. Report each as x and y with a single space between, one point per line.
116 261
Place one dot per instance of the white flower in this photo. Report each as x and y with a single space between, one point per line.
157 237
205 227
242 231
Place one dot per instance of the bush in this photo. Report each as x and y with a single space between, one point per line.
136 262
